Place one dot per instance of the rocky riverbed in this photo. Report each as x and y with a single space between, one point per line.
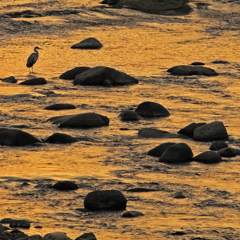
190 200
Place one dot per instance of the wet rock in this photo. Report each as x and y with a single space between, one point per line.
105 200
160 149
208 157
56 236
227 152
60 12
178 233
16 234
177 153
179 195
187 70
217 145
65 186
10 79
209 132
60 106
151 109
86 236
97 76
19 224
151 133
61 138
132 214
129 115
15 137
33 237
71 74
141 190
83 120
189 129
197 63
6 220
25 14
34 81
220 62
89 43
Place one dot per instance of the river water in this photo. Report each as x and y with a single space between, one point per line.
144 46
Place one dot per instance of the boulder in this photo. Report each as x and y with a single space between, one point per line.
189 129
15 137
151 109
208 157
65 186
86 236
187 70
177 153
89 43
132 214
227 152
34 81
160 149
19 224
217 145
210 132
83 120
151 133
129 115
99 75
71 74
105 200
56 236
60 106
61 138
10 79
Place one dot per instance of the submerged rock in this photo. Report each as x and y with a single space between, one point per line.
10 79
160 149
132 214
60 106
105 200
71 74
129 115
19 224
89 43
151 133
34 81
208 157
61 138
65 186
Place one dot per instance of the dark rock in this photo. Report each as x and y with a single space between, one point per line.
86 236
61 138
25 13
15 137
6 220
227 152
189 129
60 106
151 109
131 214
178 233
10 79
110 2
209 132
83 120
129 115
151 133
33 237
186 70
160 149
208 157
220 62
198 63
60 12
105 200
89 43
217 145
34 81
71 74
97 76
15 234
56 236
19 224
179 195
141 190
65 186
177 153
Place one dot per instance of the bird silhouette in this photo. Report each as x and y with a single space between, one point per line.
32 59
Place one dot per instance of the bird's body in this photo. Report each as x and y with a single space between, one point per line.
32 59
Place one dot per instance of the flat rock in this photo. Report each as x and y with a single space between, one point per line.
86 236
160 149
210 132
56 236
187 70
65 186
99 75
60 106
151 133
10 79
208 157
217 145
141 189
197 63
129 115
177 153
105 200
189 129
71 74
19 224
151 109
34 81
89 43
227 152
132 214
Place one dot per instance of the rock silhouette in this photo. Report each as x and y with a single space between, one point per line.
71 74
89 43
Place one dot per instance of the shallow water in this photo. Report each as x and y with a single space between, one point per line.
144 46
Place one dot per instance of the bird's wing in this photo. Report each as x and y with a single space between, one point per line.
31 60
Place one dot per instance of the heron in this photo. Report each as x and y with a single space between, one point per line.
32 59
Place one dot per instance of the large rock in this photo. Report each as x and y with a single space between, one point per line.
151 133
71 74
15 137
187 70
34 81
56 236
189 129
105 200
209 132
104 76
60 106
89 43
208 157
151 109
160 149
61 138
83 120
177 153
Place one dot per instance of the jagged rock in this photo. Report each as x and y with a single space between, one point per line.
10 79
129 115
151 109
56 236
227 152
131 214
217 145
189 129
89 43
34 81
105 200
86 236
71 74
60 106
160 149
61 138
65 186
208 157
151 133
